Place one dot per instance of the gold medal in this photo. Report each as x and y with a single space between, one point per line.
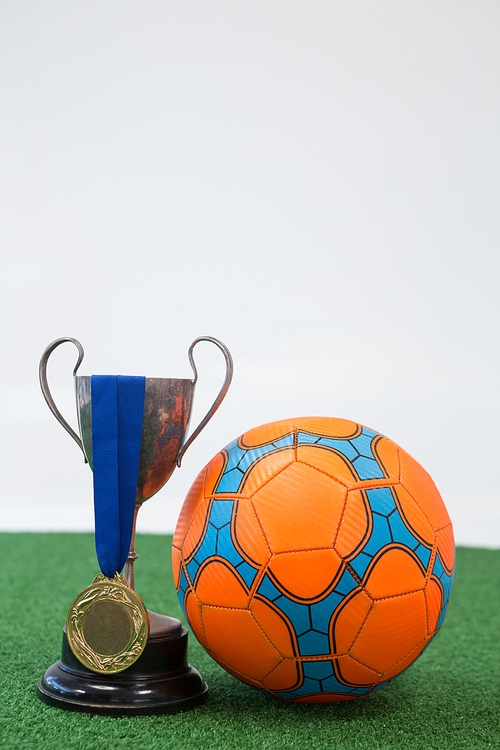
107 625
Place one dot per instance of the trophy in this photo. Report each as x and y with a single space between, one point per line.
119 658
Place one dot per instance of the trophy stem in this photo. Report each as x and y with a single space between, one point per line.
128 571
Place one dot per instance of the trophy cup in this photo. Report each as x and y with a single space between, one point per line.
118 658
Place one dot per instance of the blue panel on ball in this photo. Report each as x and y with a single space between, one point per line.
332 685
226 548
305 438
268 590
381 500
400 532
234 454
341 446
247 573
208 547
230 481
423 554
285 442
379 538
298 614
346 584
437 568
313 643
308 687
367 468
322 611
363 442
318 670
221 512
192 569
184 583
249 457
360 563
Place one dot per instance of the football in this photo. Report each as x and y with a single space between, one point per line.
313 558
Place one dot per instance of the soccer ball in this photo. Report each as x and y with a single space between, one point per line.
313 558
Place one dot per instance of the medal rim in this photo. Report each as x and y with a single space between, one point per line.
117 590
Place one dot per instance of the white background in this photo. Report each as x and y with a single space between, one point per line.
315 183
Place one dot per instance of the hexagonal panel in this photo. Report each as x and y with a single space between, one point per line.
394 572
266 468
300 509
393 628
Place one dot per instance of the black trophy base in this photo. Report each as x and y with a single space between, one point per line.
159 682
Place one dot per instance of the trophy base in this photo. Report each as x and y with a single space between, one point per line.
159 682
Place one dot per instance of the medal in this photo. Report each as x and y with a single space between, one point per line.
107 625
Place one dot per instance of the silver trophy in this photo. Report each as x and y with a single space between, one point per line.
160 680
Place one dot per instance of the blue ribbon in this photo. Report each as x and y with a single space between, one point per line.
117 415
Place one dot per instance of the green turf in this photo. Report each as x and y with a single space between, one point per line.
447 699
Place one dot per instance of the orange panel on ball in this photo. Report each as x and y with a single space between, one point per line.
434 601
355 524
235 638
446 547
217 584
194 616
284 677
354 673
305 575
394 572
249 535
393 628
193 499
419 484
267 468
350 620
308 501
328 461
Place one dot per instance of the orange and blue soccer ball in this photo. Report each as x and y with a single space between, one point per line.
313 558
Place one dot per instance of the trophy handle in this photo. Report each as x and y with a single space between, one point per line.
221 394
45 386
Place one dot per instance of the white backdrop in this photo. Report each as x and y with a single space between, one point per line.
315 183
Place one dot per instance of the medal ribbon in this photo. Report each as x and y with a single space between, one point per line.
117 416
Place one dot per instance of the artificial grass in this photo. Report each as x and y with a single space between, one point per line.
447 699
